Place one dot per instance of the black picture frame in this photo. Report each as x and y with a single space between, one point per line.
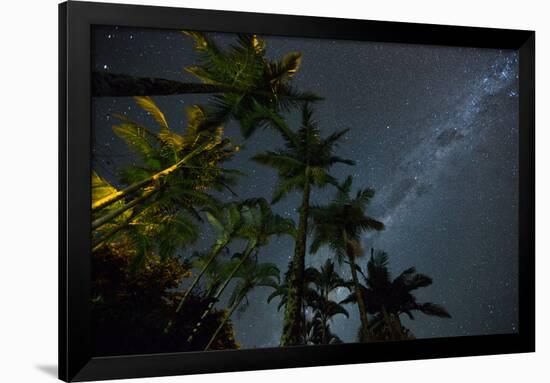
76 362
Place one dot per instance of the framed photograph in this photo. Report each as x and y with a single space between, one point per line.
246 191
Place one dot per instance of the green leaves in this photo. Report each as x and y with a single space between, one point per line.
149 105
434 310
225 222
158 211
260 223
318 286
138 138
240 66
283 70
283 162
306 158
378 275
386 299
252 89
217 225
340 224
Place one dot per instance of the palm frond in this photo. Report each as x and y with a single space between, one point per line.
280 161
433 310
137 138
149 106
286 68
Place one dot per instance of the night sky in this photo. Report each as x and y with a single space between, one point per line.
434 130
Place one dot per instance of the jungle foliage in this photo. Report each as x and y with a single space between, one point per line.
153 292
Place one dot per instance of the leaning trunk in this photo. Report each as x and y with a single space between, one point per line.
293 320
213 338
364 331
102 240
106 84
122 209
213 254
250 247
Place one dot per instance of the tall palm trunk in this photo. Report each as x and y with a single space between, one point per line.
249 248
106 84
213 254
364 331
120 194
324 317
324 331
293 320
213 338
390 324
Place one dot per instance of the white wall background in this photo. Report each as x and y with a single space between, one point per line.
28 188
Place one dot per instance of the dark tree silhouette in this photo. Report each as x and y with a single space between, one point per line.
324 282
130 308
339 225
251 275
387 299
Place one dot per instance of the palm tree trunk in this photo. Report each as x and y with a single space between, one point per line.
118 195
233 308
364 332
98 243
325 318
293 320
305 334
213 254
389 323
249 248
115 213
324 332
106 84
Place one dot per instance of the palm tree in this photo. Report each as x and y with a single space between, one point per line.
340 225
252 275
325 281
145 228
244 84
215 273
304 162
225 224
258 225
387 299
282 291
167 183
166 158
318 285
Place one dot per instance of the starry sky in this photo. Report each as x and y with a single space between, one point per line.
434 130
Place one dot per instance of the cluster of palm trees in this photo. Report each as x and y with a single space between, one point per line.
169 194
